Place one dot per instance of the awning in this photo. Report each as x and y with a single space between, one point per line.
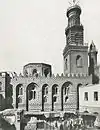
88 114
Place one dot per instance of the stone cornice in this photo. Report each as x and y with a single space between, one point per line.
74 47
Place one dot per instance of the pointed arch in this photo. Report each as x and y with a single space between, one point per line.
35 73
44 95
18 87
54 95
64 92
78 95
30 93
79 61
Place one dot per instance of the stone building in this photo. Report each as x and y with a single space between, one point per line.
37 89
89 95
89 98
6 91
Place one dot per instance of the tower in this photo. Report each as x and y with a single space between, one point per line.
93 69
92 58
75 52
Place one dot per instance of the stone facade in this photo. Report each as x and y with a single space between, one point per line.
3 84
45 102
5 91
38 90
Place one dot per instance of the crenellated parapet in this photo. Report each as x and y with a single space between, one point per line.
57 76
72 75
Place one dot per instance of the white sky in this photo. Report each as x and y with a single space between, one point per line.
34 31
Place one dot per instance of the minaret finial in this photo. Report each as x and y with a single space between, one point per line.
73 2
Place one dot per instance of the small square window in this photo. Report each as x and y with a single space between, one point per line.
95 96
86 96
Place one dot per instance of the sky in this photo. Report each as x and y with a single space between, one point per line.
34 31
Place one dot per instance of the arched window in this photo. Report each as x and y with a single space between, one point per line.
35 73
30 93
65 93
19 92
45 93
79 61
46 72
55 92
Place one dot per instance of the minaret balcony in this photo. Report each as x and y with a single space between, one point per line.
80 26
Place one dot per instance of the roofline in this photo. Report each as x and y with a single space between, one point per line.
37 64
89 85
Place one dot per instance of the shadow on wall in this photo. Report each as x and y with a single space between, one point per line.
95 79
2 103
8 92
9 99
4 125
6 103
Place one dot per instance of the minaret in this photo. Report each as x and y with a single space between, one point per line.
74 30
75 52
92 58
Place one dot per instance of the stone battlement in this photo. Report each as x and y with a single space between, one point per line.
57 76
70 75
